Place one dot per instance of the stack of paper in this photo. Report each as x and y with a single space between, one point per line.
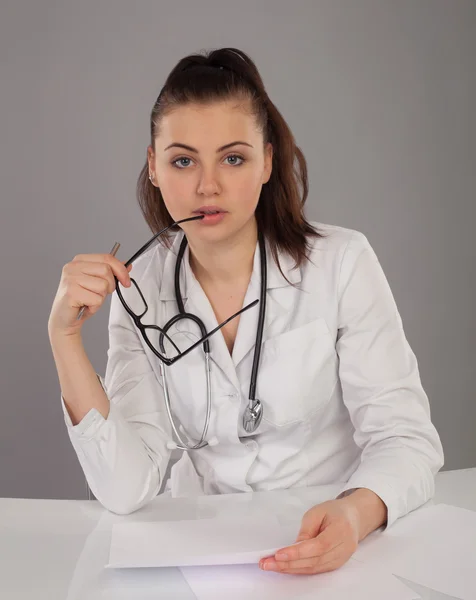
237 545
434 547
218 541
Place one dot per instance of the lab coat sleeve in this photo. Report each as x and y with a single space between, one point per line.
125 456
388 407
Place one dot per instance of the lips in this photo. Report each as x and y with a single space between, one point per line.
209 210
210 215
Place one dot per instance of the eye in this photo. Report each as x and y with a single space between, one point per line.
238 157
184 158
174 162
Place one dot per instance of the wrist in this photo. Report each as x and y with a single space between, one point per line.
59 339
370 509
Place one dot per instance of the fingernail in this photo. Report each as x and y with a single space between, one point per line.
269 566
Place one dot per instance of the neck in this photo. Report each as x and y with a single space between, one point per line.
229 261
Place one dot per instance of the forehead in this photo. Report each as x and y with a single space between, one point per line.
209 124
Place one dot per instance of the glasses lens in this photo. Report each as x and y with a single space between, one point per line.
180 336
133 298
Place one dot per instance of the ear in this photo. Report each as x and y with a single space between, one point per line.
268 162
151 159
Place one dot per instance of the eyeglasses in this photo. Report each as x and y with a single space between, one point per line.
154 335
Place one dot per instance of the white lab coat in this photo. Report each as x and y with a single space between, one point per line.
340 387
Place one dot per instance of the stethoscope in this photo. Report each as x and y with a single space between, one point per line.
254 411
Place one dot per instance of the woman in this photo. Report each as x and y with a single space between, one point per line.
336 395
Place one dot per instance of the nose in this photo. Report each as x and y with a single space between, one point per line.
208 184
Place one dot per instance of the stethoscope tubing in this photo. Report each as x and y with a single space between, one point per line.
254 406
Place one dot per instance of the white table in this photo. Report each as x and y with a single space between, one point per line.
57 549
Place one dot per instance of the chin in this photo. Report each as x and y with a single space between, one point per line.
207 233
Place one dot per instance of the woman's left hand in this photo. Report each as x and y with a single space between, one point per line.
328 537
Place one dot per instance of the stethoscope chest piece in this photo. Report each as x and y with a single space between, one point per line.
252 417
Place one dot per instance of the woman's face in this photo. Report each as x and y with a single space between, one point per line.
207 175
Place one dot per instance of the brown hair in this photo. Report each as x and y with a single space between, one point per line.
221 75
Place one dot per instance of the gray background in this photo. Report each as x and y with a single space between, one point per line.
380 96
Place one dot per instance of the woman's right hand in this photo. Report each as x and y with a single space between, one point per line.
85 281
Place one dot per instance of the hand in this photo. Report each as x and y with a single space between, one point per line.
328 537
85 281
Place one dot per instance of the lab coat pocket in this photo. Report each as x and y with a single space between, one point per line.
298 373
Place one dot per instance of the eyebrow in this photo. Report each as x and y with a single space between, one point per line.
190 149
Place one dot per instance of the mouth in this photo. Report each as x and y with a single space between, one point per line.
211 214
209 210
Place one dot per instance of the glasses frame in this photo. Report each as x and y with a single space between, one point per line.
143 328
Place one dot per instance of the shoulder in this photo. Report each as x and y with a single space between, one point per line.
343 255
337 255
336 242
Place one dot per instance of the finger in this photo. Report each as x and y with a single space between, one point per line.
83 270
314 561
314 547
336 557
83 297
100 286
100 269
314 570
310 558
118 267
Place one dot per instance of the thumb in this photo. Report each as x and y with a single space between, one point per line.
311 524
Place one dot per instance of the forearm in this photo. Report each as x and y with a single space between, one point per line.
121 467
117 458
79 383
370 509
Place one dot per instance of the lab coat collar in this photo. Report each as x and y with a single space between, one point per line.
278 303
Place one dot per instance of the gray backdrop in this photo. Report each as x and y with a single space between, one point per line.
380 95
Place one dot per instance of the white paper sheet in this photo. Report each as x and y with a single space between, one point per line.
217 541
435 547
237 582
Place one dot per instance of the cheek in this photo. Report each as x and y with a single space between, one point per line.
175 190
246 189
172 182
